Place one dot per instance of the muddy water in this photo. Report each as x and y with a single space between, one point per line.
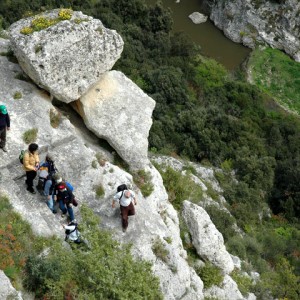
212 41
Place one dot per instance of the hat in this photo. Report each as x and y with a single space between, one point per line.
61 186
3 109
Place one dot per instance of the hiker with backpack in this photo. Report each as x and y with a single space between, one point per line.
64 197
4 126
31 163
46 182
127 200
72 232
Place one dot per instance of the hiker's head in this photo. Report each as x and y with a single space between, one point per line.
33 147
61 186
58 180
127 194
49 157
3 109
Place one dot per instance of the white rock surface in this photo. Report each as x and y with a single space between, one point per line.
68 57
117 110
207 240
198 18
7 291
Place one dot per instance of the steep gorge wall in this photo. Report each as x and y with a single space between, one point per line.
253 23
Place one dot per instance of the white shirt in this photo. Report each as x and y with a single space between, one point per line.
124 201
73 236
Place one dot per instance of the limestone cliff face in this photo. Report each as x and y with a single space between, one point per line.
75 156
268 23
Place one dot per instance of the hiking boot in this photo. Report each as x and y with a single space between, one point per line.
31 190
124 229
54 211
63 215
4 149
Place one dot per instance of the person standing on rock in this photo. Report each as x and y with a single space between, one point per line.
126 200
31 163
4 126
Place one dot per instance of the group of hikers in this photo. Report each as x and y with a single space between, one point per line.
56 190
51 185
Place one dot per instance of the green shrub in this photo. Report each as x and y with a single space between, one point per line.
180 187
244 282
99 190
143 180
55 117
222 220
101 159
30 135
160 250
210 275
17 95
65 14
94 164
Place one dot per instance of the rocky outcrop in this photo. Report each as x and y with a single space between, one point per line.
7 291
207 240
75 158
198 18
67 57
250 23
117 110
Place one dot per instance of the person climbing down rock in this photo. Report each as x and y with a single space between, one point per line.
4 126
64 197
126 199
31 163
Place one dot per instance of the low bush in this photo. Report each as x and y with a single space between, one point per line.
143 179
180 187
210 275
30 135
160 250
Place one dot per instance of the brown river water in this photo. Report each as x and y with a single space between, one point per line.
212 41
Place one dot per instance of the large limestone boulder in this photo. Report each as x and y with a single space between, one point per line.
207 240
117 110
66 58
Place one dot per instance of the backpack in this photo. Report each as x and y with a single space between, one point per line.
21 156
69 186
122 188
41 185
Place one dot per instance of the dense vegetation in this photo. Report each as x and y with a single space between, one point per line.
278 75
52 271
205 114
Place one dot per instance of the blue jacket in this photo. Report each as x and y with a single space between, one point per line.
4 121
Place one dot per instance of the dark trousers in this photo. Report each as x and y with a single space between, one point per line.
30 175
2 137
125 212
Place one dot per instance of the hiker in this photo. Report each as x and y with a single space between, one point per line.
64 197
126 199
49 164
72 232
4 125
31 163
45 186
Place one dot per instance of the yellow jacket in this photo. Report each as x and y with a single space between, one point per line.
30 160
